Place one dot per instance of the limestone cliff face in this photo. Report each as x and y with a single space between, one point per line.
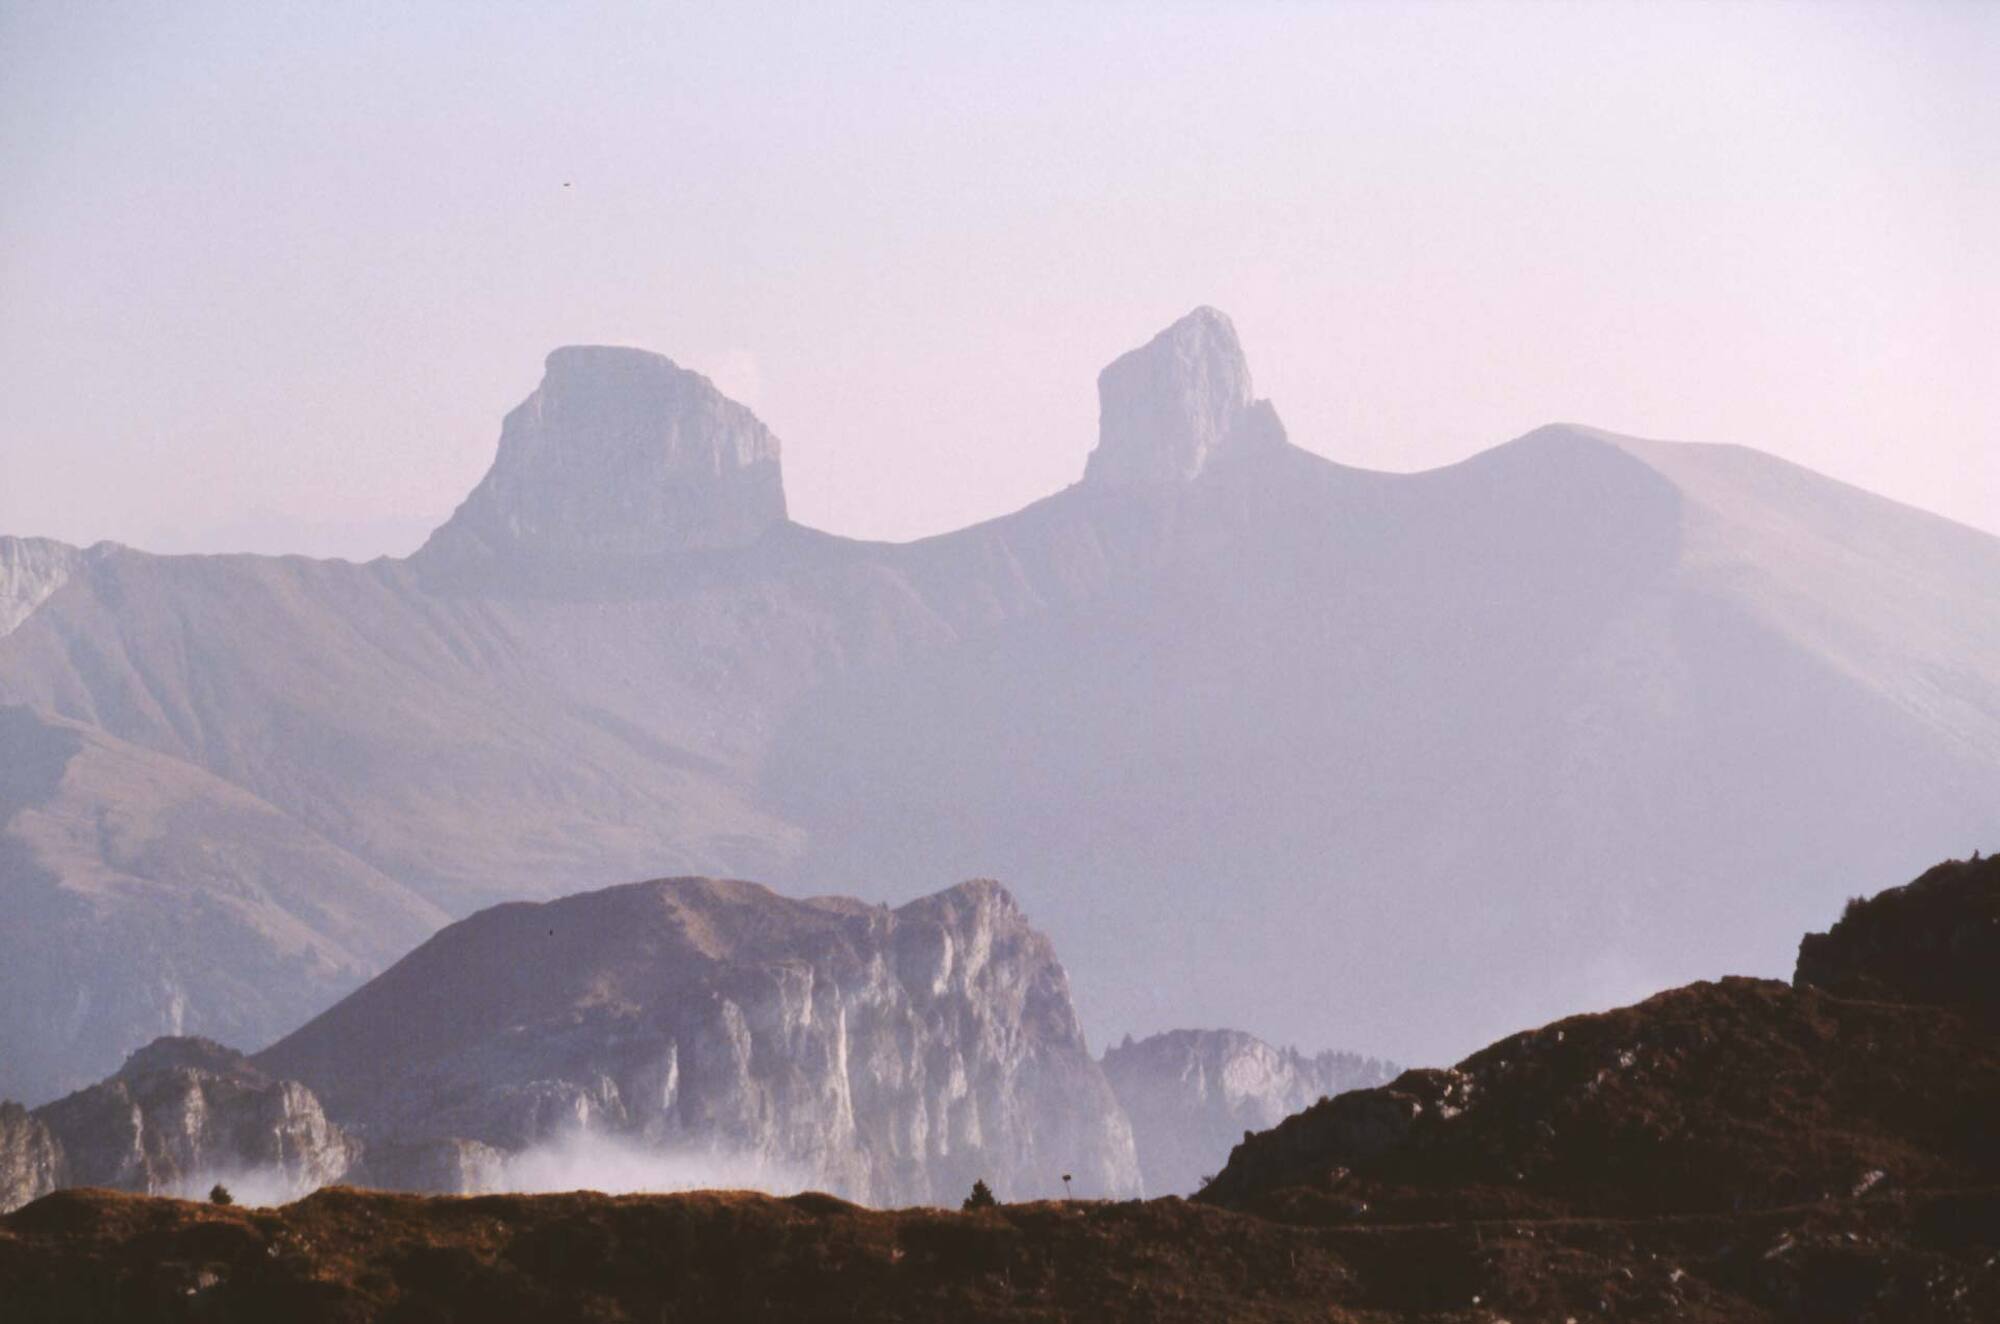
618 456
183 1113
890 1056
31 1159
1191 1095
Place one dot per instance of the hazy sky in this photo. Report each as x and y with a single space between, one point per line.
270 274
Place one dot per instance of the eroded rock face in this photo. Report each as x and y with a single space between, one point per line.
618 456
184 1113
890 1056
31 1159
1192 1094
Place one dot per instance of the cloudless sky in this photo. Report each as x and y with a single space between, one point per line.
270 273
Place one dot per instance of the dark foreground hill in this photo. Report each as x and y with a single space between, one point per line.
1741 1151
346 1255
1877 1070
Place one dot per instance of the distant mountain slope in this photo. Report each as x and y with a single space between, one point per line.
143 894
1578 717
893 1056
1904 602
1535 731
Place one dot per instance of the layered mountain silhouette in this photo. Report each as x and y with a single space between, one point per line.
1261 739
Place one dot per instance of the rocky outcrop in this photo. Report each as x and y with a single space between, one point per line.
31 1159
30 570
619 456
1192 1094
1166 409
184 1113
1934 940
891 1056
1718 1097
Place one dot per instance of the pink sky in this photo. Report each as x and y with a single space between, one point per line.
270 276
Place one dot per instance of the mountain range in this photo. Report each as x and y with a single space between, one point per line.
1261 739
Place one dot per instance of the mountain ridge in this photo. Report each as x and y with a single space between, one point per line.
1341 686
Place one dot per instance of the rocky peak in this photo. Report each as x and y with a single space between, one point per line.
619 455
182 1112
1170 406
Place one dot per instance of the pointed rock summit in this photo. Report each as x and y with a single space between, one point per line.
1169 407
619 455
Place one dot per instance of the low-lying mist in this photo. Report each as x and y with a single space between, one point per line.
575 1161
588 1161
